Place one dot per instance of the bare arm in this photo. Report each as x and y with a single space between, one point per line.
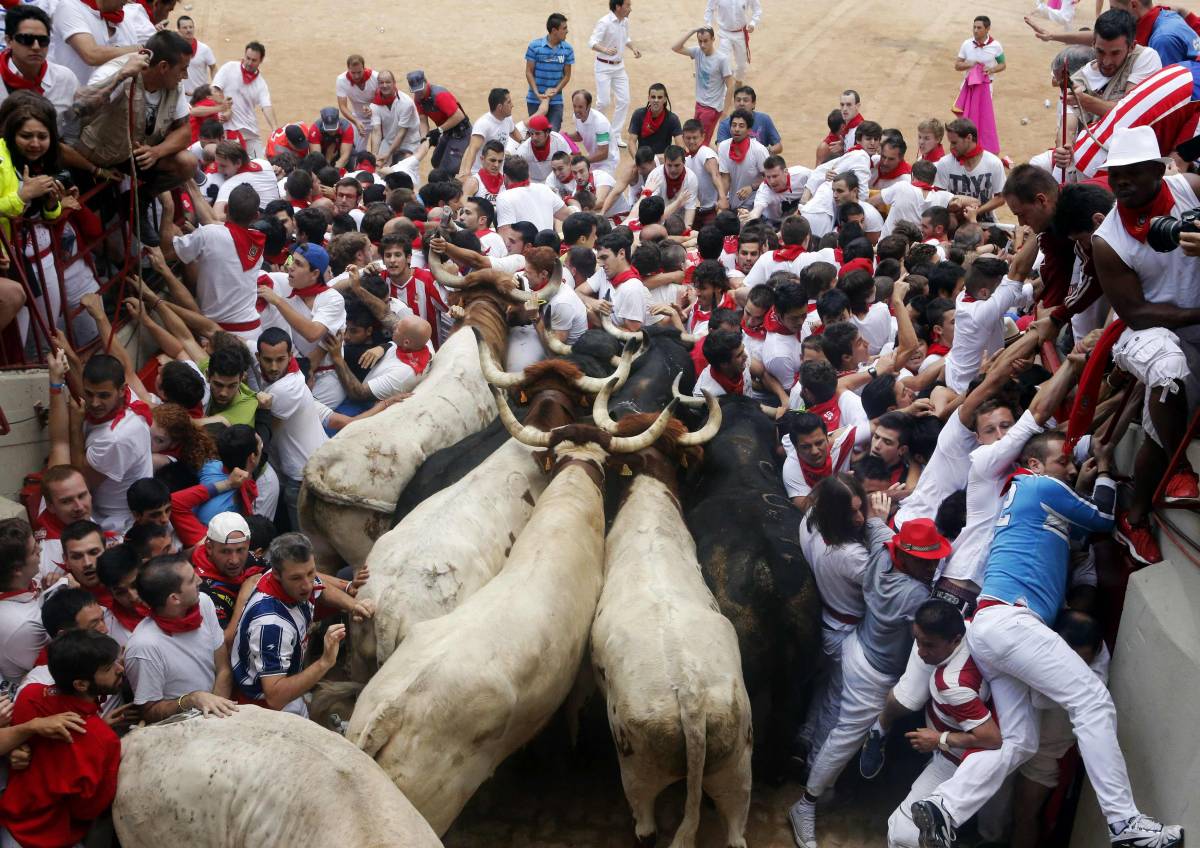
1124 291
95 54
354 387
678 47
1054 391
312 331
280 690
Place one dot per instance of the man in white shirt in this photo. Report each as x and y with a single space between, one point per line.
608 41
27 31
703 161
979 318
562 178
1120 64
594 132
741 161
243 85
496 124
176 658
395 127
536 203
565 309
477 215
734 20
84 37
355 89
200 69
540 148
22 635
630 300
286 394
780 185
906 201
714 78
819 206
599 183
669 180
236 166
970 170
401 367
981 49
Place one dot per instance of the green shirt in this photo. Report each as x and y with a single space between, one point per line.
243 408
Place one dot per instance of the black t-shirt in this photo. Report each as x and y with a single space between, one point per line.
660 139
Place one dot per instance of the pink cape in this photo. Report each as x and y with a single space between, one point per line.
975 103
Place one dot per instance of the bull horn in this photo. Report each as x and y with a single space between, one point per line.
633 444
684 399
516 293
711 426
444 275
550 341
592 385
600 416
523 433
641 348
492 371
623 335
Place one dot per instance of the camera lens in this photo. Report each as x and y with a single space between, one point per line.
1164 233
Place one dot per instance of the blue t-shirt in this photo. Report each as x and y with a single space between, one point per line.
549 66
1030 552
211 473
763 130
1173 40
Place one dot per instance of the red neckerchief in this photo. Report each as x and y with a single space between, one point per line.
966 298
900 472
731 387
700 314
788 187
787 253
924 185
650 124
362 84
590 185
1136 220
849 125
112 17
937 349
138 407
14 80
900 170
31 588
855 147
985 44
173 626
975 151
673 186
730 244
247 493
935 154
194 44
814 474
738 149
247 243
830 413
759 334
248 77
50 525
1145 25
859 264
624 277
270 586
128 618
205 569
417 360
293 367
310 291
250 167
380 100
518 184
540 153
772 324
492 182
1018 472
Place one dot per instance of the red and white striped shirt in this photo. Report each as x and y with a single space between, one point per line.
958 698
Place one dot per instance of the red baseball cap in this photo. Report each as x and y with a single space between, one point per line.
538 122
919 537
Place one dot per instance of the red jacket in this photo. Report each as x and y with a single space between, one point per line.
67 786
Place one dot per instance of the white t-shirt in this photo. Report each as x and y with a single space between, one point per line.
197 72
536 203
696 163
781 356
875 327
224 291
72 17
539 169
706 382
300 431
656 183
839 571
492 244
563 190
567 312
360 98
263 181
841 450
631 302
58 86
987 53
1145 62
490 128
945 474
328 308
769 203
120 450
389 376
984 181
21 635
906 202
744 173
710 73
979 329
595 130
164 666
246 98
398 124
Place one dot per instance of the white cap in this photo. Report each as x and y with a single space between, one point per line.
1132 146
225 525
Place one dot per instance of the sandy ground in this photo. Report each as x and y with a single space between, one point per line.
897 53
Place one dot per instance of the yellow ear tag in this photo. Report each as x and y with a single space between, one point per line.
547 464
521 397
625 472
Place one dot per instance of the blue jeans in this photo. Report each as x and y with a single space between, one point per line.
554 116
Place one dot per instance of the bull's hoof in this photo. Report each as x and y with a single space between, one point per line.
645 841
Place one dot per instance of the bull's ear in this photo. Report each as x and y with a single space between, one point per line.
544 458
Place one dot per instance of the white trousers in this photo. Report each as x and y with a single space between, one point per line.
612 86
254 145
1018 653
827 694
734 43
902 833
864 693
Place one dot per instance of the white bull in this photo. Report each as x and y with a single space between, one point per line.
258 778
463 691
668 662
351 483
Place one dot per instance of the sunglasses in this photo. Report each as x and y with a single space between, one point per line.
27 39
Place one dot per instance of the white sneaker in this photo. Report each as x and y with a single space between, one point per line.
804 823
621 143
1145 832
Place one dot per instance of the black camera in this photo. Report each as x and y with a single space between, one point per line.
1165 230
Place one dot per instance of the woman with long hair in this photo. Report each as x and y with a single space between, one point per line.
831 536
655 125
180 447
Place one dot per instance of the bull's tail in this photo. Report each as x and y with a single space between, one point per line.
693 720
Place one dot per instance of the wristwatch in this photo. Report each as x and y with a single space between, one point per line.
943 744
873 371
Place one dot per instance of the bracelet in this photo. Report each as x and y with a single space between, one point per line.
943 743
179 703
56 388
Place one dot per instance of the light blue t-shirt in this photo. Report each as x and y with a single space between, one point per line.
763 130
1173 40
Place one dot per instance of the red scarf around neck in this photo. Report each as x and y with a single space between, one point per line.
112 17
540 153
206 570
673 186
650 123
1145 26
1136 220
380 100
624 277
31 589
772 324
310 291
270 586
248 77
923 185
250 167
138 407
787 253
731 387
975 151
14 80
248 243
937 349
194 44
900 170
129 618
814 474
850 124
492 182
984 44
760 333
518 184
362 84
738 149
174 626
830 412
417 360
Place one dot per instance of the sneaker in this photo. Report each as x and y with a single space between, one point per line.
933 823
1184 485
870 759
1007 162
1145 832
1137 539
621 143
804 823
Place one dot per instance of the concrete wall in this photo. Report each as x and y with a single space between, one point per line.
1155 683
25 448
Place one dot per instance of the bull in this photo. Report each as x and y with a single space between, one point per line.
464 691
